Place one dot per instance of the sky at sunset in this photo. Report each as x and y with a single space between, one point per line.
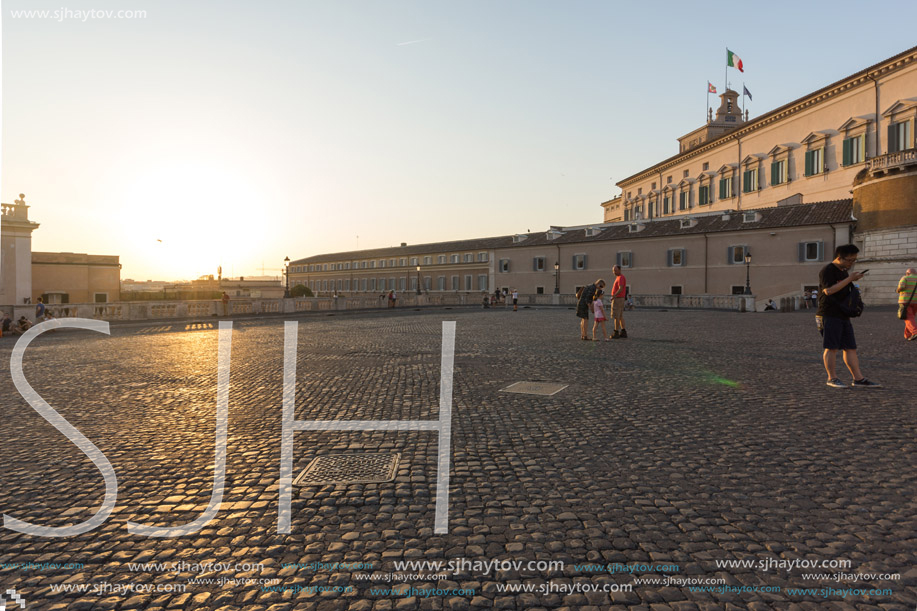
235 134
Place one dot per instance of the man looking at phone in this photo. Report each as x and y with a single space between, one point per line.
834 285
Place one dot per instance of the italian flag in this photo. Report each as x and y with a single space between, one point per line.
733 60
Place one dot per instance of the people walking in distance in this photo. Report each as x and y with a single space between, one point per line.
584 303
907 303
598 311
618 297
814 297
505 298
39 310
225 300
805 299
392 298
834 287
515 300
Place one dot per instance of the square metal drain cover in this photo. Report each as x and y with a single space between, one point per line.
535 388
349 469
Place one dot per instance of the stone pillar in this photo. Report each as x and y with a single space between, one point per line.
15 253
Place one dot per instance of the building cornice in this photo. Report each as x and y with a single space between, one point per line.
875 72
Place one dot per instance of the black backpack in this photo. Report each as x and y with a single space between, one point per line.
852 305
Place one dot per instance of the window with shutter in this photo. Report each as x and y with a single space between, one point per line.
811 251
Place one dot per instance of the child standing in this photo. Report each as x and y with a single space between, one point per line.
598 309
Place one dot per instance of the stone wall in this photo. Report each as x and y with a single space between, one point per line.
886 254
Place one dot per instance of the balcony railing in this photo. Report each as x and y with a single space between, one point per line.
15 211
893 160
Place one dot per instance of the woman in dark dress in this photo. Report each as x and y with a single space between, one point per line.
584 303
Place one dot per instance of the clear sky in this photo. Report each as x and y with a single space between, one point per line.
240 133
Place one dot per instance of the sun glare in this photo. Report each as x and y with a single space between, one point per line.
184 220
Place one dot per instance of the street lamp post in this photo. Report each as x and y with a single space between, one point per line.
556 278
286 268
418 280
747 272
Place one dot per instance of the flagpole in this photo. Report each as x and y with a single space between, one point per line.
726 73
743 98
708 102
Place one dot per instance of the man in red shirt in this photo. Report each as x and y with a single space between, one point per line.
618 295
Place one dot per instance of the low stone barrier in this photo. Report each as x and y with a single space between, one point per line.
208 309
734 303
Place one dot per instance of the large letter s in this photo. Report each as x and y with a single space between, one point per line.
60 423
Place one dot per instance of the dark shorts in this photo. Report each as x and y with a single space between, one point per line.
838 334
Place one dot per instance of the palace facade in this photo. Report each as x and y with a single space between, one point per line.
836 166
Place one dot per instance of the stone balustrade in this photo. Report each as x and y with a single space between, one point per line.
892 160
205 310
734 303
15 211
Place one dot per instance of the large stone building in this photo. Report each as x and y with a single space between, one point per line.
853 137
56 277
835 166
698 254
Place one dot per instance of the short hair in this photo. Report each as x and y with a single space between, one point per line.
599 281
845 250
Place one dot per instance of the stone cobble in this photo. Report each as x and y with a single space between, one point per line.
703 437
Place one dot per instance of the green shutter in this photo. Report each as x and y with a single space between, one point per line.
722 188
892 138
847 155
775 176
802 252
684 257
729 254
668 257
809 162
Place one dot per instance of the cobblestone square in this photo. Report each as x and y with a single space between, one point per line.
701 463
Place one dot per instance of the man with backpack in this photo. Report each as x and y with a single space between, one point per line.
838 301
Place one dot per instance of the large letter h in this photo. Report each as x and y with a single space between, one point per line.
290 425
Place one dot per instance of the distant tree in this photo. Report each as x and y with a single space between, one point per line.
301 290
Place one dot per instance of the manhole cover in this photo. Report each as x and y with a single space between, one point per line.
349 469
535 388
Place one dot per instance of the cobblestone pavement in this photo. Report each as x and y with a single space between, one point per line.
703 447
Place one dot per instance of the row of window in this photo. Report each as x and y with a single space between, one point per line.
853 152
397 284
469 257
854 148
678 257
